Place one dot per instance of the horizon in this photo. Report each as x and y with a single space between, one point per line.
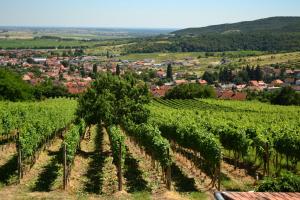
128 28
137 14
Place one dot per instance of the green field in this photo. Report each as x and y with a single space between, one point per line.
42 44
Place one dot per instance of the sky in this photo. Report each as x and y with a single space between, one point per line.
140 13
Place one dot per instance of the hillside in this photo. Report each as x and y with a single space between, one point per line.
267 25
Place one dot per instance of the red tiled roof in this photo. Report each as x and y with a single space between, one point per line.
178 82
160 91
230 95
254 83
260 196
202 82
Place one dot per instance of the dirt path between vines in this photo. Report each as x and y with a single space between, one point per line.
37 179
81 163
7 151
152 175
108 177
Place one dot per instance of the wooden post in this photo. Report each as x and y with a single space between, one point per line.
169 174
120 168
169 178
65 166
268 160
20 171
219 175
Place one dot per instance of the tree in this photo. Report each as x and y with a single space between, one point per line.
209 77
95 68
13 88
169 72
287 96
65 63
47 90
258 73
190 91
79 52
225 75
112 99
82 71
118 71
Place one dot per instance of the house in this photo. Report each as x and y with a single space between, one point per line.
253 83
26 77
39 60
240 87
262 84
298 82
289 72
160 91
297 73
256 85
289 81
277 83
180 82
202 82
231 95
160 73
296 88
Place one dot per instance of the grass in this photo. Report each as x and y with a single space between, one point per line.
195 195
141 195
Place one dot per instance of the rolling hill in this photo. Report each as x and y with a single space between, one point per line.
266 25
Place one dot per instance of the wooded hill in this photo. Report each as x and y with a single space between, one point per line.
266 25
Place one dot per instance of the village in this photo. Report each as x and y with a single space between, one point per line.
76 72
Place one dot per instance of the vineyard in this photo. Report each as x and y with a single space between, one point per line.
262 138
187 149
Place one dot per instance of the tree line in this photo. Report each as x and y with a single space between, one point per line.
219 42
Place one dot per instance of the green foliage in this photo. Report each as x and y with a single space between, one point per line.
116 139
47 90
287 142
210 77
13 88
234 139
183 130
36 122
241 127
190 91
286 183
72 140
271 25
150 138
118 71
169 72
287 96
110 99
284 96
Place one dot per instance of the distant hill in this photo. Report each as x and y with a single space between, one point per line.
267 25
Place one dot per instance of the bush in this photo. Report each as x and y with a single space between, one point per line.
13 88
287 96
190 91
288 182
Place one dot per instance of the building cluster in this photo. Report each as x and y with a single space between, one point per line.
235 91
76 72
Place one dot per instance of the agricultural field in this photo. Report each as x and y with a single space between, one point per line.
42 44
